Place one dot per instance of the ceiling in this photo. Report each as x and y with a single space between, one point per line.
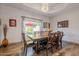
53 8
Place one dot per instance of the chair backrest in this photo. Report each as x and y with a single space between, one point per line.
60 35
51 35
24 41
54 37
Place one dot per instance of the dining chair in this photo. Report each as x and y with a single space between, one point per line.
60 35
25 44
40 46
53 42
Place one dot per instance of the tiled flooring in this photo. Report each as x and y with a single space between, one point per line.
71 50
30 51
68 49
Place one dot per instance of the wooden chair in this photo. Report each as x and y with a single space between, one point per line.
53 42
60 35
40 45
59 38
25 44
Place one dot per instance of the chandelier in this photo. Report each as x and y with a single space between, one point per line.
44 7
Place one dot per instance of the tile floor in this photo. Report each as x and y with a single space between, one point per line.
69 49
31 52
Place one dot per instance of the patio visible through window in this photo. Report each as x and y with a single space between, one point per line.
32 28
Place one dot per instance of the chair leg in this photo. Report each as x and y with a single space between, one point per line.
51 49
37 52
25 52
36 49
61 44
46 51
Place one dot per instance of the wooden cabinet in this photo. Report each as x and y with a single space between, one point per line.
45 27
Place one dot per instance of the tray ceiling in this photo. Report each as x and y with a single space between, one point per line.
53 8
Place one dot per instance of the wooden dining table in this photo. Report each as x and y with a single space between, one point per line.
37 39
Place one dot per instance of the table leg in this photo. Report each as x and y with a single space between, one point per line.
37 47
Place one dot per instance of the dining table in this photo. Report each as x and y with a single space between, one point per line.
37 39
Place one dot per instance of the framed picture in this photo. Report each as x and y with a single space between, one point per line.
63 24
12 22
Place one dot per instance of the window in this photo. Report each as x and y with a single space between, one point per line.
32 27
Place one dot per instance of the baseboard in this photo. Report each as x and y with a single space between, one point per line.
15 43
20 43
70 42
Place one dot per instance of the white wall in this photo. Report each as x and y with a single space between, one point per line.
14 33
71 33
